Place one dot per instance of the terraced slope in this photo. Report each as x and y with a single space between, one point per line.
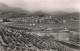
15 39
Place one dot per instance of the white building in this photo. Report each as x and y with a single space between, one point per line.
1 20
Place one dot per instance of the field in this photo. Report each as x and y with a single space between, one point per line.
40 36
47 26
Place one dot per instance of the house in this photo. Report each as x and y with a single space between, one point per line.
1 20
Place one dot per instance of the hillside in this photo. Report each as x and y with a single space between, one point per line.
8 12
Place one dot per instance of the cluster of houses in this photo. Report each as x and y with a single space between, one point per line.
34 19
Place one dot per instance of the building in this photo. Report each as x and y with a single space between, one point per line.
1 20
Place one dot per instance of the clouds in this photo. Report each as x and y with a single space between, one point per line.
51 5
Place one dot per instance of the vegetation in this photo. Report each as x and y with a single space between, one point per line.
15 39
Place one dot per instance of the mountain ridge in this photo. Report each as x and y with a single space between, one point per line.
8 12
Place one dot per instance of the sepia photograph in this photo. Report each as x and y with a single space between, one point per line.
39 25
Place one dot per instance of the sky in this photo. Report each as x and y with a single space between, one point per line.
46 5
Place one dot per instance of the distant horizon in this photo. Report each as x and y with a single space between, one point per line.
45 5
41 10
